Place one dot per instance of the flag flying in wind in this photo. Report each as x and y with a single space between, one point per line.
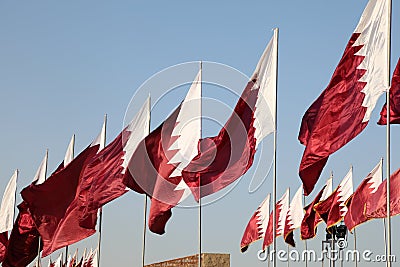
24 240
257 226
357 203
156 165
394 100
281 209
344 108
294 217
102 178
333 208
55 206
376 204
3 245
311 218
8 204
227 156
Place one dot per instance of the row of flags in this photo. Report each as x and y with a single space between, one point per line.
167 164
367 202
337 116
173 161
87 260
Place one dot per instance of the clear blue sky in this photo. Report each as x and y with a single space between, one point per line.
64 64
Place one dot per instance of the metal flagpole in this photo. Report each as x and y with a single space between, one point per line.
144 229
388 223
40 239
201 93
305 241
145 208
276 35
101 209
73 155
15 199
288 259
355 245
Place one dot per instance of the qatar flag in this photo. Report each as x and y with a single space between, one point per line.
294 217
257 225
344 108
155 167
8 204
226 157
376 204
23 243
333 209
357 202
311 219
281 209
101 180
55 206
394 96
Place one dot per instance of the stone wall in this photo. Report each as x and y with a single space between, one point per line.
207 260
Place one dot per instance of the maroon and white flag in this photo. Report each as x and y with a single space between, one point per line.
227 156
257 226
376 204
311 219
344 108
23 243
394 100
8 204
294 217
357 202
333 208
281 209
102 179
55 205
157 163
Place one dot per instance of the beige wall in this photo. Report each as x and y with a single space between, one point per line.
208 260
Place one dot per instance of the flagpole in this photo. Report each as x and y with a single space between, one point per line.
355 245
305 240
73 155
200 233
145 206
101 209
389 249
15 199
276 35
45 175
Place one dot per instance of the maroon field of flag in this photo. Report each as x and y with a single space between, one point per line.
23 243
357 202
102 178
333 208
344 108
311 219
376 204
55 206
281 209
226 157
3 245
257 225
156 165
394 96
